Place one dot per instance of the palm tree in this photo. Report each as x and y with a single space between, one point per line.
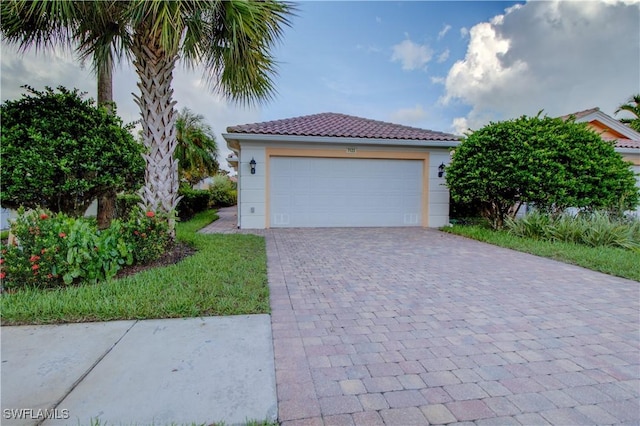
196 149
632 106
230 39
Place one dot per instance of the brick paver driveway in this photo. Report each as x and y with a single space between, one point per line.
412 326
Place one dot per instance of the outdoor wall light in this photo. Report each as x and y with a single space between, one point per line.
441 170
252 164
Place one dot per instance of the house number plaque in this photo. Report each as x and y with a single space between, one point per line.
351 150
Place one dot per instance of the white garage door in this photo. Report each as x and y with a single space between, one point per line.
333 192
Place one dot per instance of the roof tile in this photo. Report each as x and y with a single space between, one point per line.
330 124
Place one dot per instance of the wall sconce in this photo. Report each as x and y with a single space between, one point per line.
252 164
441 170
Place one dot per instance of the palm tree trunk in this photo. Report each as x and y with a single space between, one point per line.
106 202
155 71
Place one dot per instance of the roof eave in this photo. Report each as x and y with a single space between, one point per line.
611 123
627 150
258 137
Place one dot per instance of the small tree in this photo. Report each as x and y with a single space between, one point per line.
549 162
196 151
61 152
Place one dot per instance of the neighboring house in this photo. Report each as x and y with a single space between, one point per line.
627 140
336 170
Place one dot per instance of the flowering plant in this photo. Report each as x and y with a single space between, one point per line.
147 235
53 249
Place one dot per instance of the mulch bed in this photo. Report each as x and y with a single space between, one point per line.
172 256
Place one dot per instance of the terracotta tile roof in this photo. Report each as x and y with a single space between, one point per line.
330 124
626 143
620 143
580 114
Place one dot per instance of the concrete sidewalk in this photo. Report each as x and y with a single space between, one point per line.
170 371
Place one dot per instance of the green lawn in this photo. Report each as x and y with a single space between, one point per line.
227 276
610 260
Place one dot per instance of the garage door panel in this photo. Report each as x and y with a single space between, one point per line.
324 192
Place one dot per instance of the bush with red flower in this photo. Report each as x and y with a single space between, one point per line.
54 249
147 234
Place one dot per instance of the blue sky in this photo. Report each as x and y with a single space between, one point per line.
375 59
446 66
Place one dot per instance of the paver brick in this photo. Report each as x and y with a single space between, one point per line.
597 415
343 404
403 416
411 381
587 394
624 411
310 421
368 310
436 395
560 399
382 384
494 388
467 375
292 409
565 416
439 378
522 385
437 414
352 387
368 418
501 406
465 391
373 401
470 410
405 398
498 421
531 419
531 402
411 367
339 420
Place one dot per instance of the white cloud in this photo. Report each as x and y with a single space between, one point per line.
443 56
409 116
378 19
558 56
464 32
411 55
460 125
438 80
445 29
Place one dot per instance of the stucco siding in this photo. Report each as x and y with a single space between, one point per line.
254 197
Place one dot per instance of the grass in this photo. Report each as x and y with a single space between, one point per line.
610 260
227 276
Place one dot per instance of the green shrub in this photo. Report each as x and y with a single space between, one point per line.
125 204
223 191
533 225
56 250
547 162
591 229
147 235
53 250
193 201
64 152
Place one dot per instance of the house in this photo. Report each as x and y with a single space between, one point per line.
337 170
627 140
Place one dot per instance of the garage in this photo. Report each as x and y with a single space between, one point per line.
337 170
345 192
